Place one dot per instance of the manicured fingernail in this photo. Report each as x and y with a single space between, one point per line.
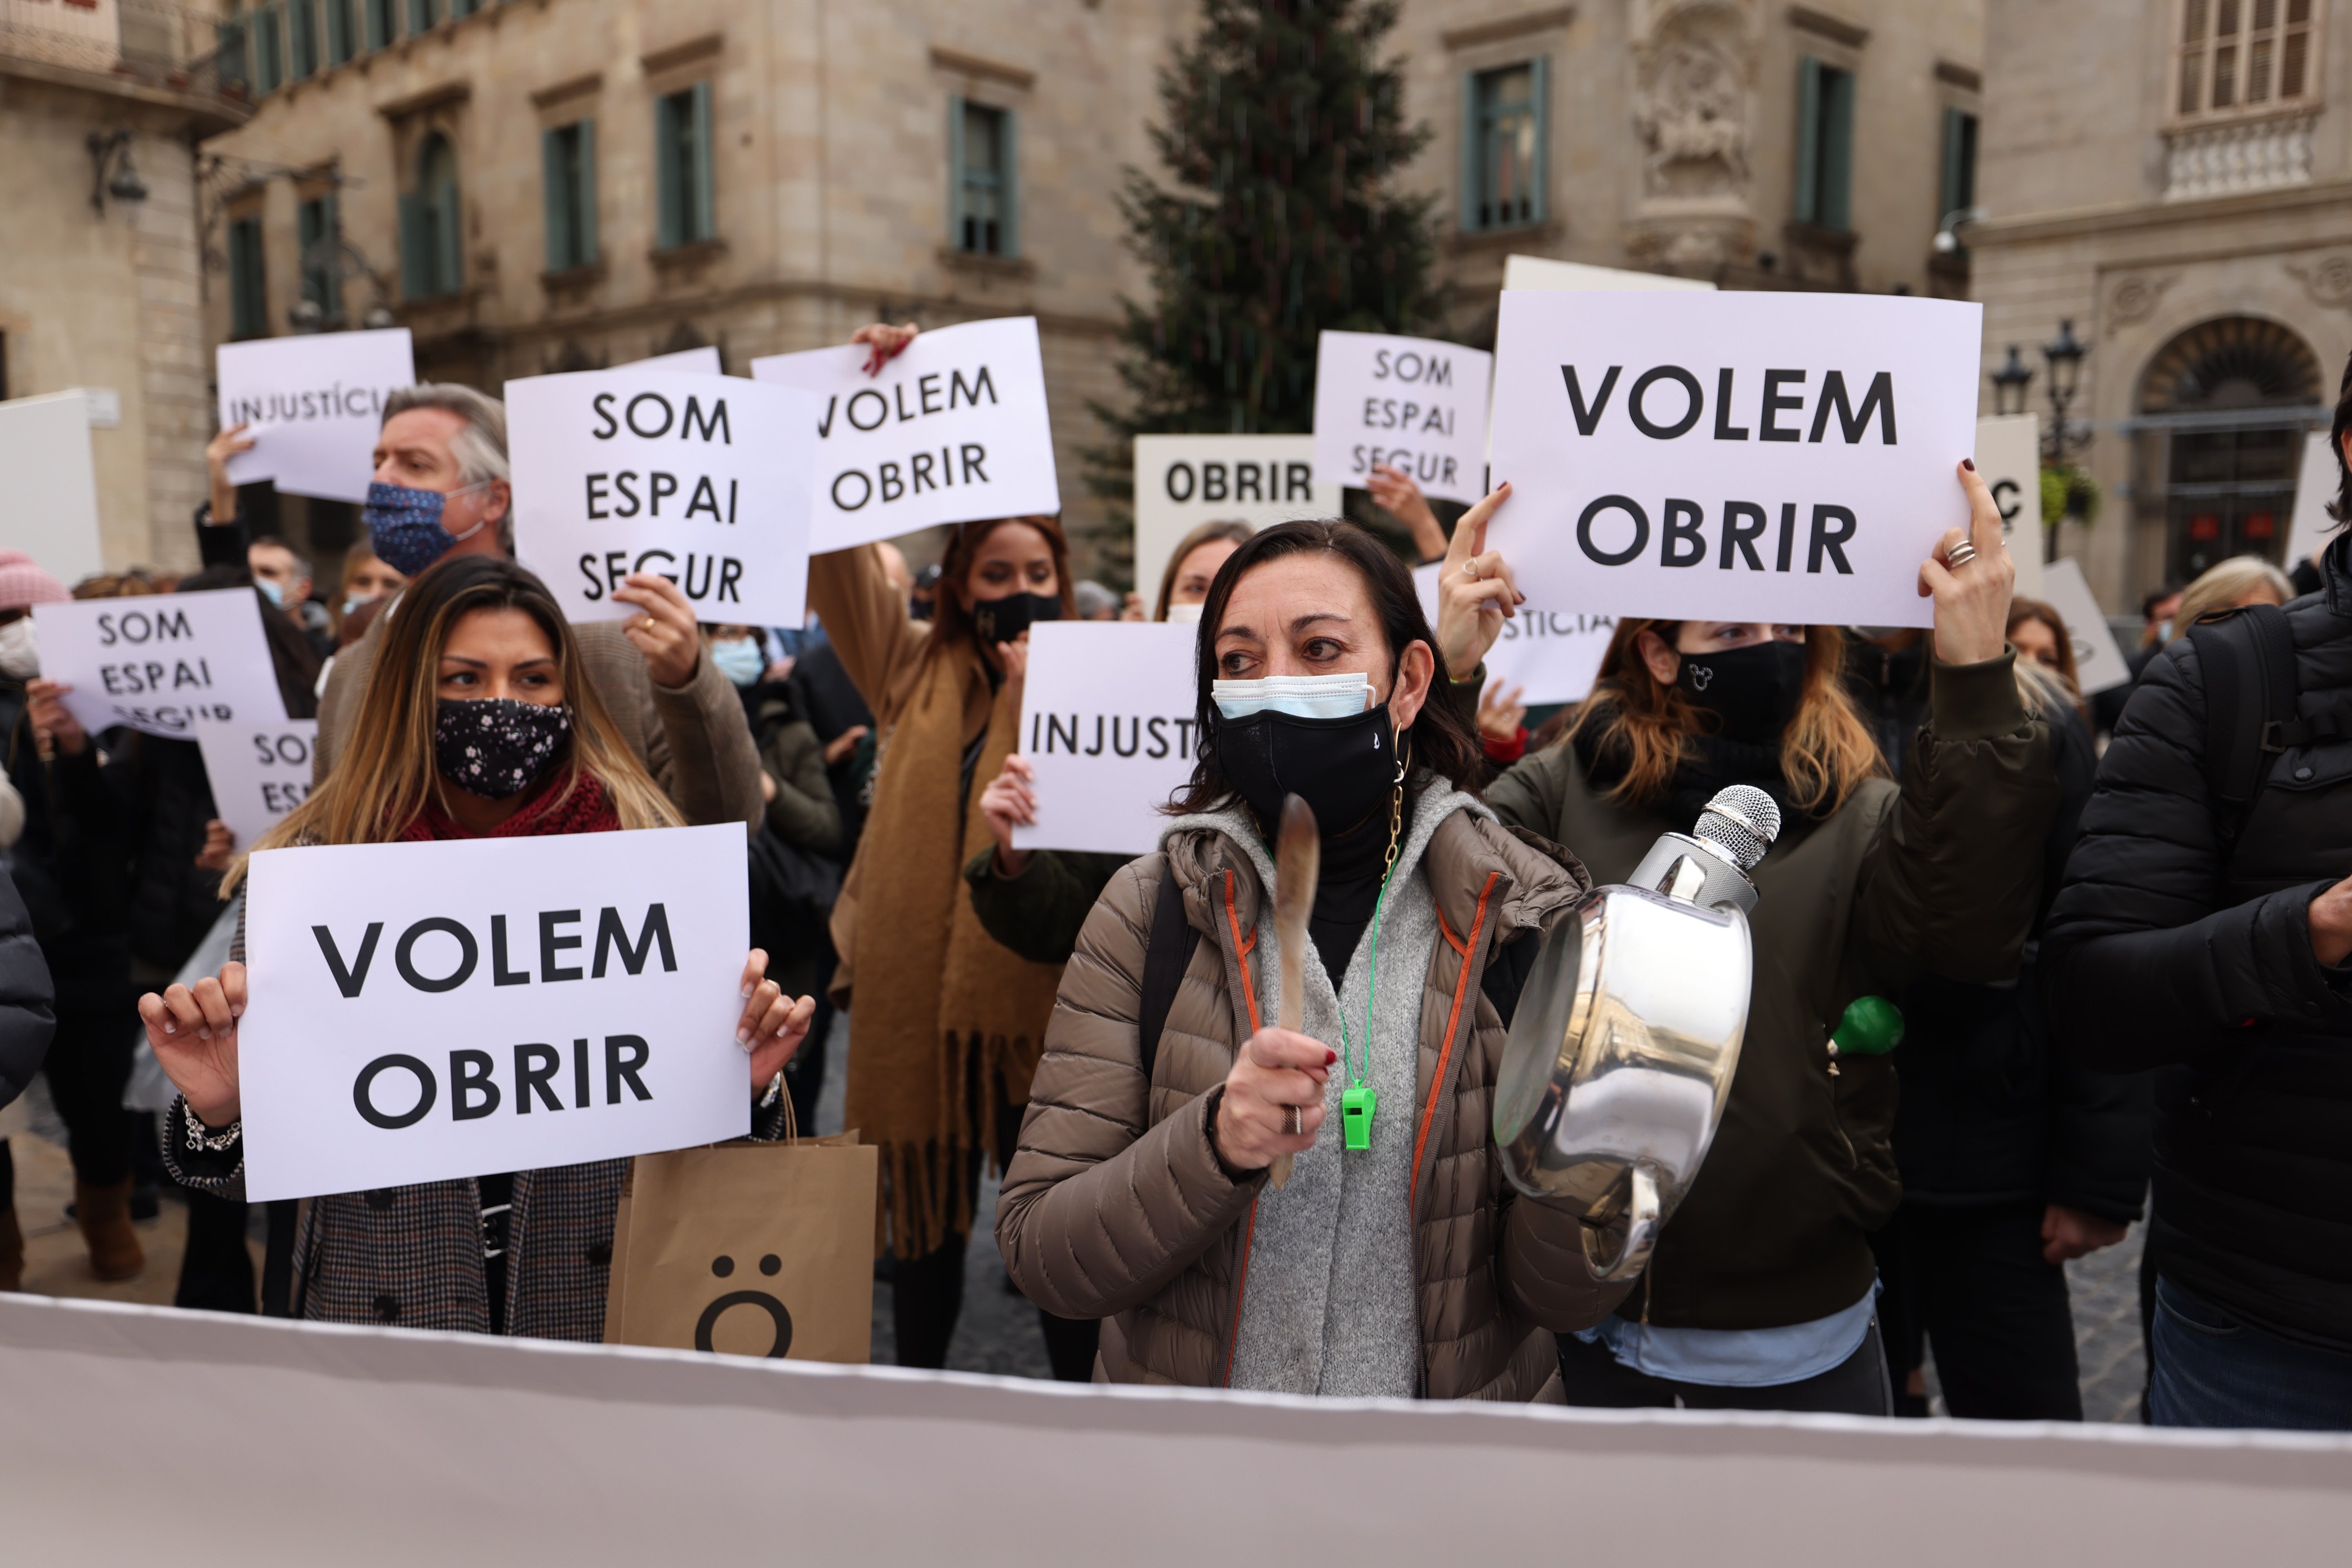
1969 464
747 994
170 1027
743 1036
238 1011
1329 1056
205 1034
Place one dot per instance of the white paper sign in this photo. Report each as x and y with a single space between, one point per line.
162 663
2098 663
684 362
1184 482
421 1012
2009 456
318 400
1552 656
1542 273
48 508
2316 484
258 772
702 478
1108 717
953 429
1414 403
1737 456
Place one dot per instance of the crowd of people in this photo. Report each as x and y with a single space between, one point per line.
2118 927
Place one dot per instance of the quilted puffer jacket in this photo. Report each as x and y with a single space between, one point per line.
1115 1207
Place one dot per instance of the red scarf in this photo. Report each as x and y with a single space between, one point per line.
588 809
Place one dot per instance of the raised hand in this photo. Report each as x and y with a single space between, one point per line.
1010 801
886 342
1972 599
1275 1070
665 633
774 1024
194 1032
1476 590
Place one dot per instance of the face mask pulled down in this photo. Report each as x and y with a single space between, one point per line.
496 747
1307 735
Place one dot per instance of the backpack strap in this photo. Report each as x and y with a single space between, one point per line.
1165 958
2247 656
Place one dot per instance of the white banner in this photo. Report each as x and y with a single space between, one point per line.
315 403
1107 719
1553 656
1541 272
2009 459
953 430
2098 662
682 361
1412 404
2316 481
258 772
163 662
48 508
420 1012
1740 456
1184 482
703 480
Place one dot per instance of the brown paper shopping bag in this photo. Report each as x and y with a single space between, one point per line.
760 1249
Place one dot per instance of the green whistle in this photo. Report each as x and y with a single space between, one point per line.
1871 1027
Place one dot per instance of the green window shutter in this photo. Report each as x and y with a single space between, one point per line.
703 165
448 232
1837 150
584 210
229 63
420 16
301 39
1474 153
955 171
248 307
1008 185
1948 199
415 250
1807 202
1540 166
339 31
555 198
669 201
331 274
376 19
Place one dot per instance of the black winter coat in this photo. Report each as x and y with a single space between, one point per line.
1993 1109
142 816
79 912
2163 951
26 1017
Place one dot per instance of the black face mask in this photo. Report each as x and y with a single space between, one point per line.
1001 620
1344 769
1755 689
495 746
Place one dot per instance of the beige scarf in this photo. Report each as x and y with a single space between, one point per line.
947 1022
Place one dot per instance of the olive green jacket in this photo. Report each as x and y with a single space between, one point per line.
1038 914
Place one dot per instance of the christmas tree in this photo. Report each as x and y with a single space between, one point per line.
1274 220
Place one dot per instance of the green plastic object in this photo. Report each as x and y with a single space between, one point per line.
1871 1027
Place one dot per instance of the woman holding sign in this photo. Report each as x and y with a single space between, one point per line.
1761 1292
475 723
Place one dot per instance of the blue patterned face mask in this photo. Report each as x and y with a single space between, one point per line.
405 526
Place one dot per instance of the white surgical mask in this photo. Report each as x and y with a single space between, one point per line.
1301 696
20 653
1184 615
2164 631
270 588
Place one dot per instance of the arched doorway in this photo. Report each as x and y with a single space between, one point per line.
2233 397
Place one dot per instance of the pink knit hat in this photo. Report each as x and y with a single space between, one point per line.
23 583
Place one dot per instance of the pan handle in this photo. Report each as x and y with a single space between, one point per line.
1637 1230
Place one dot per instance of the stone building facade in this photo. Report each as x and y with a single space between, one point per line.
2187 203
100 289
951 159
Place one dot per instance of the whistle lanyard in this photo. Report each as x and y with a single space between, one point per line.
1357 1101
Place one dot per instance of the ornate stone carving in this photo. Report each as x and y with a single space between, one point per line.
2134 299
2327 279
1694 70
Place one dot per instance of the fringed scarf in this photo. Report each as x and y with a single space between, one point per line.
945 1023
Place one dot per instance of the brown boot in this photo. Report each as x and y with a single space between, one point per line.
12 1250
104 1216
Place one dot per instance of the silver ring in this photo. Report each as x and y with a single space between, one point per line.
1293 1122
1961 555
1470 570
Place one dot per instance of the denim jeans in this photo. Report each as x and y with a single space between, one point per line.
2214 1369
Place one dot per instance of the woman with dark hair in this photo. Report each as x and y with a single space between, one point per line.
477 721
1761 1292
1397 1260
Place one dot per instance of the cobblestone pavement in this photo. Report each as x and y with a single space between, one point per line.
2105 1288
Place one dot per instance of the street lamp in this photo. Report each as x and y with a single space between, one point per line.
112 148
1947 239
2008 384
2063 354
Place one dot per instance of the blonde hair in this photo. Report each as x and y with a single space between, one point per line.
386 774
2226 586
1825 753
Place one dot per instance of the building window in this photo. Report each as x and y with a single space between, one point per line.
1503 143
248 291
982 211
2245 56
382 21
429 234
323 255
268 61
301 39
568 157
230 61
421 15
340 42
1824 145
1959 184
682 168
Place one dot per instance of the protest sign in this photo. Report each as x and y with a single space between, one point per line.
954 429
258 770
160 664
48 509
684 362
315 403
1184 482
1108 716
1552 656
2009 459
2099 664
702 478
420 1012
1541 272
1741 457
2316 481
1412 404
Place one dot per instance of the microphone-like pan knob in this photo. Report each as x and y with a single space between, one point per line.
1741 821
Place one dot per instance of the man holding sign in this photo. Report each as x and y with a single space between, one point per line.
418 1012
442 488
